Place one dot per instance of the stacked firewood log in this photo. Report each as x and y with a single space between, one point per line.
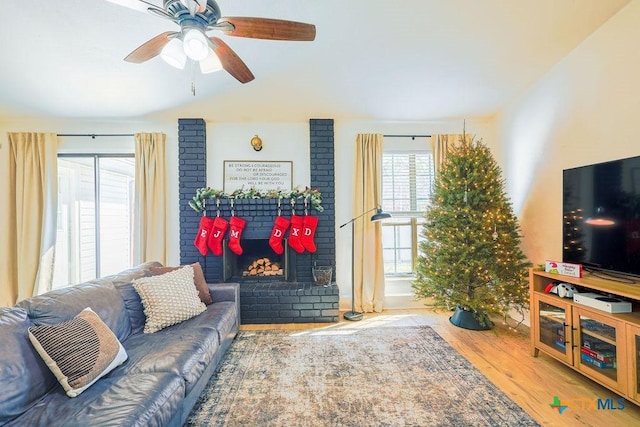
263 267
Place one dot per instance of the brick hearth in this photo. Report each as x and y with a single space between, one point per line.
277 302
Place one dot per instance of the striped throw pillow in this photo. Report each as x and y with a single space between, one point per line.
79 351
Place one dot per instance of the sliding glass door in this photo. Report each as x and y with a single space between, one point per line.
95 216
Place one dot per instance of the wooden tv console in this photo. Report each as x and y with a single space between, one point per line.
600 345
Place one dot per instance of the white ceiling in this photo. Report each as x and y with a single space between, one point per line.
409 60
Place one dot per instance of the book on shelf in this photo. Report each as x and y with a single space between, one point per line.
600 364
601 355
560 344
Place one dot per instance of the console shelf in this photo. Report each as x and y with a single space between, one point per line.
600 345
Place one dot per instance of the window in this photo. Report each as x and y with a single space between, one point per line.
95 216
407 180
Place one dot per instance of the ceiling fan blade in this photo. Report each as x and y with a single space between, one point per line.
150 49
140 5
266 28
231 62
144 6
161 13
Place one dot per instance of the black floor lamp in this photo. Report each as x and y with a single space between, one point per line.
378 216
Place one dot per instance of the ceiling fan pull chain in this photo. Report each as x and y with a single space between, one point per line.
193 80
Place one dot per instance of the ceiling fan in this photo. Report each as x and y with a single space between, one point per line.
195 18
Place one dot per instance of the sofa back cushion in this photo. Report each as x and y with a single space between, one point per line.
24 377
64 304
124 283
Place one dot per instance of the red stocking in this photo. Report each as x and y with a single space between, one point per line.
295 234
206 225
280 226
309 224
217 234
235 231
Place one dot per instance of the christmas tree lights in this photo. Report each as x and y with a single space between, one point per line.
471 254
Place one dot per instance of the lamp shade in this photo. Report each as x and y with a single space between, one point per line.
211 63
380 215
195 44
173 54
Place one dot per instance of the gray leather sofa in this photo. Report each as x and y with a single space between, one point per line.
157 385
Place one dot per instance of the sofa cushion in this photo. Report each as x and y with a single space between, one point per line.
64 304
221 316
183 349
24 377
133 303
168 299
133 401
78 351
198 279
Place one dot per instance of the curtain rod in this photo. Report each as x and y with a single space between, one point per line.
407 136
94 135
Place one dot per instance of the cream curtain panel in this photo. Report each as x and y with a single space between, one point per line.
29 225
441 144
150 217
368 270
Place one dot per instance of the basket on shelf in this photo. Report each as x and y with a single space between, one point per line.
322 274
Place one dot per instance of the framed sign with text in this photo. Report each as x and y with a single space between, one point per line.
261 175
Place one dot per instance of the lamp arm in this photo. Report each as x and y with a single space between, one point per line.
359 216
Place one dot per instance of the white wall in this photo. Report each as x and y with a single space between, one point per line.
585 110
280 141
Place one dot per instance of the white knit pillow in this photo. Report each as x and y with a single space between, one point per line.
168 299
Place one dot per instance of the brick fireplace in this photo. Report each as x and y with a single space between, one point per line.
292 297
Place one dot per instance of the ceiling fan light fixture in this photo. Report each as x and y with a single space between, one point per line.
195 44
211 63
196 18
173 54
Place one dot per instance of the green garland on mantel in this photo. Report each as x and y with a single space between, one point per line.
203 195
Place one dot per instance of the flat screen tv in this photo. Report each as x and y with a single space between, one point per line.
601 217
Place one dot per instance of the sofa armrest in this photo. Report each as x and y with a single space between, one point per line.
224 292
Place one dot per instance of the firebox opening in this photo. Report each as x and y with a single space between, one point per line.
258 262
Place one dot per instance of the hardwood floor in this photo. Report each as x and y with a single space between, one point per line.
503 355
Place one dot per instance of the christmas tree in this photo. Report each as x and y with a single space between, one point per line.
471 257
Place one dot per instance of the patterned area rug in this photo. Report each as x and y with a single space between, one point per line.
380 376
